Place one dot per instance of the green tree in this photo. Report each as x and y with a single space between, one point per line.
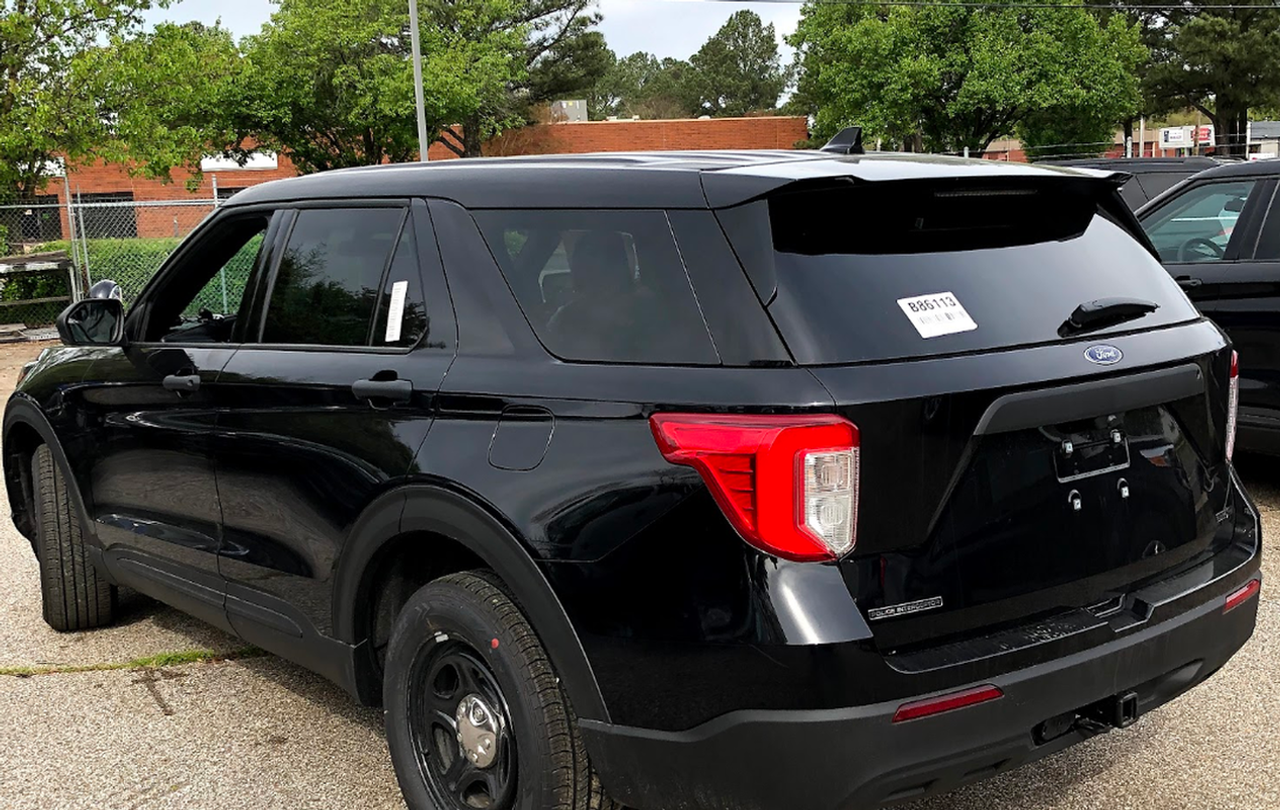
331 81
167 97
644 85
1222 61
951 76
559 52
44 114
738 70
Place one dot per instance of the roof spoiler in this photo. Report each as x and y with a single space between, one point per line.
847 141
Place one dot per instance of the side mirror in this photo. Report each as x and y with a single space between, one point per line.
93 322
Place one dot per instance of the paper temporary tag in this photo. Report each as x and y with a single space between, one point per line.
936 314
395 311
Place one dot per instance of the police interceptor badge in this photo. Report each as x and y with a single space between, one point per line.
936 314
904 608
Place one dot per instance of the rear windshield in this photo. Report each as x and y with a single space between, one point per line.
906 270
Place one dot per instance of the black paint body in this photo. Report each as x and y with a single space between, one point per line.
263 501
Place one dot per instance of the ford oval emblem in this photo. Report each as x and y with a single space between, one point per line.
1103 355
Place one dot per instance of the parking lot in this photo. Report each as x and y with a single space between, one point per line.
161 711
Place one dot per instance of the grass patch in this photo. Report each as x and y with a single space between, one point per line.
158 661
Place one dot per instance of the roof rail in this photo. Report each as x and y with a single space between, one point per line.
847 141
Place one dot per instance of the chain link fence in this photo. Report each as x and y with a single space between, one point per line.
84 242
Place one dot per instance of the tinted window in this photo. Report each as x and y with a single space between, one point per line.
1269 240
1196 226
602 285
201 296
895 271
1157 183
402 315
330 276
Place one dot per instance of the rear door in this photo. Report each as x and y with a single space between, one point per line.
326 404
1237 287
1011 465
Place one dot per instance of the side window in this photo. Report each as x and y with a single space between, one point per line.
330 277
402 315
601 285
1197 225
1269 239
202 293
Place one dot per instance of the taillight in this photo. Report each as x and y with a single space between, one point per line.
1233 404
787 484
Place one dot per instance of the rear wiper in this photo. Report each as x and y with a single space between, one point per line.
1105 312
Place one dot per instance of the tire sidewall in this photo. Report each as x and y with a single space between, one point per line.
444 612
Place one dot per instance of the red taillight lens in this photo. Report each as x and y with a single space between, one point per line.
1241 596
788 484
1233 403
946 703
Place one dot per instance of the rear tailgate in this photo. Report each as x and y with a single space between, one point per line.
1012 464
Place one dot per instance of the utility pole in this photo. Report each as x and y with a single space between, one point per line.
414 37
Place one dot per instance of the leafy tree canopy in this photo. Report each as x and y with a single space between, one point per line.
738 70
949 76
44 113
331 81
643 85
1222 61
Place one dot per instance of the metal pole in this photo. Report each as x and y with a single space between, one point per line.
418 95
966 151
1142 136
1128 147
214 178
76 293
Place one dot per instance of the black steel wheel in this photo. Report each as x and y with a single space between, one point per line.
476 718
461 729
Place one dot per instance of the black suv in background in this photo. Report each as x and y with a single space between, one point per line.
1149 177
773 480
1219 237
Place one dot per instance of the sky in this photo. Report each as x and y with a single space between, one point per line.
674 28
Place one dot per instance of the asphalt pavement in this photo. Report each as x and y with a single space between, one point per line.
112 726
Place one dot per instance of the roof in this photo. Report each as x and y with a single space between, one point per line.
1264 130
625 180
1254 168
1141 165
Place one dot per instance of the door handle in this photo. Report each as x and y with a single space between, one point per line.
182 383
386 390
1187 282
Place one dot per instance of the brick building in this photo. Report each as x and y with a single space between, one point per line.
111 183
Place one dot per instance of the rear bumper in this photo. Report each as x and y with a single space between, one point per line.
858 758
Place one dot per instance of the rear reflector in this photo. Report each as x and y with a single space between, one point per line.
787 484
1233 404
945 703
1243 595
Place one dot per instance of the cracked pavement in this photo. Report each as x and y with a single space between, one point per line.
259 732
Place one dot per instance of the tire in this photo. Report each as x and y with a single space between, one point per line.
75 597
458 618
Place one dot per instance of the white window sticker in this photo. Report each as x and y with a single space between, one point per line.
395 311
936 314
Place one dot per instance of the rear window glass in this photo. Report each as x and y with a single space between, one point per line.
601 285
907 270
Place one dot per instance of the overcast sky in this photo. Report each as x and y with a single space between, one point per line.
662 27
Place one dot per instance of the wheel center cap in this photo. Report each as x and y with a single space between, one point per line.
478 727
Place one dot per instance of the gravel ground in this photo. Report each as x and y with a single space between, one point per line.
258 733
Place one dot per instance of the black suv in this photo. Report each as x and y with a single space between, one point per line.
771 480
1149 177
1219 237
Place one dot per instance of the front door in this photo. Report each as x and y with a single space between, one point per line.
326 406
151 408
1219 241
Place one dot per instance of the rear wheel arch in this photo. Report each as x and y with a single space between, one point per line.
421 518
